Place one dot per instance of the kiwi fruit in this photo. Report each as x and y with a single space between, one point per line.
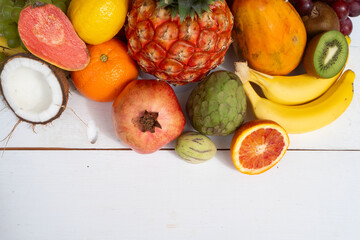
326 54
322 18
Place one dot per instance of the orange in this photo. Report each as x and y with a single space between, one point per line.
109 70
258 145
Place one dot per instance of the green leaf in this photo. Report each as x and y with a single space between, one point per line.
205 6
197 7
164 3
184 8
192 14
173 14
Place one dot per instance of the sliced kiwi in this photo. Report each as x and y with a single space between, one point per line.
326 54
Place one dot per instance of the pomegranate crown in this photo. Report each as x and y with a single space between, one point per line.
186 8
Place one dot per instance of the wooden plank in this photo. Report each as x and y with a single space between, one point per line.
110 195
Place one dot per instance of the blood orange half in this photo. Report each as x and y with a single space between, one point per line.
258 145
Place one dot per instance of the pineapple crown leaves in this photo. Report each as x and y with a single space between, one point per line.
186 7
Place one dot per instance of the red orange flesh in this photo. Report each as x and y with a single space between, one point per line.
258 145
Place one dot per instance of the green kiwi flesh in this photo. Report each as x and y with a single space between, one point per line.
326 54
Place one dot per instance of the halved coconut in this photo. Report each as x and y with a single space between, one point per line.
37 92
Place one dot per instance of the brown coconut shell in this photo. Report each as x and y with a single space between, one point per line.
58 73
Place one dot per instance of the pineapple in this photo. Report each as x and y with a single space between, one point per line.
179 41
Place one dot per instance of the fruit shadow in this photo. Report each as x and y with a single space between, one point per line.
88 110
100 113
223 156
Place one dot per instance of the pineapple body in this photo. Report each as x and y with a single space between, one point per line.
178 51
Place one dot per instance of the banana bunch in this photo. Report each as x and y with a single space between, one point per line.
293 90
6 51
303 117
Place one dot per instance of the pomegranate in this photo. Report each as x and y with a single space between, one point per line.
147 115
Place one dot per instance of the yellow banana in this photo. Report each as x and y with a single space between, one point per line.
305 117
292 90
7 50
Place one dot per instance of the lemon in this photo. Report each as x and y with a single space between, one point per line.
97 21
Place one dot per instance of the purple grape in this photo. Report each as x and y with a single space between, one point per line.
346 26
341 8
354 9
304 7
328 1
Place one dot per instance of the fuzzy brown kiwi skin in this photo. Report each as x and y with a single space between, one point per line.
308 59
321 19
59 74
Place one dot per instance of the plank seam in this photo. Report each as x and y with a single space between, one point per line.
163 149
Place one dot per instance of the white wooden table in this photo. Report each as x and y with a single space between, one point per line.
55 184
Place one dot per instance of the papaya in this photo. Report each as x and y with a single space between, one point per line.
269 34
48 34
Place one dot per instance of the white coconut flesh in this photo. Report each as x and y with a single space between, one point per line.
31 89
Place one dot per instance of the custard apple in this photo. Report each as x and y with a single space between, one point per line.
217 105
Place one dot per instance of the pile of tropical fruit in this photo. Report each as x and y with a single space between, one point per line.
102 45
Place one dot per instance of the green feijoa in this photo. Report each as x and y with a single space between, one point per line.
195 147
